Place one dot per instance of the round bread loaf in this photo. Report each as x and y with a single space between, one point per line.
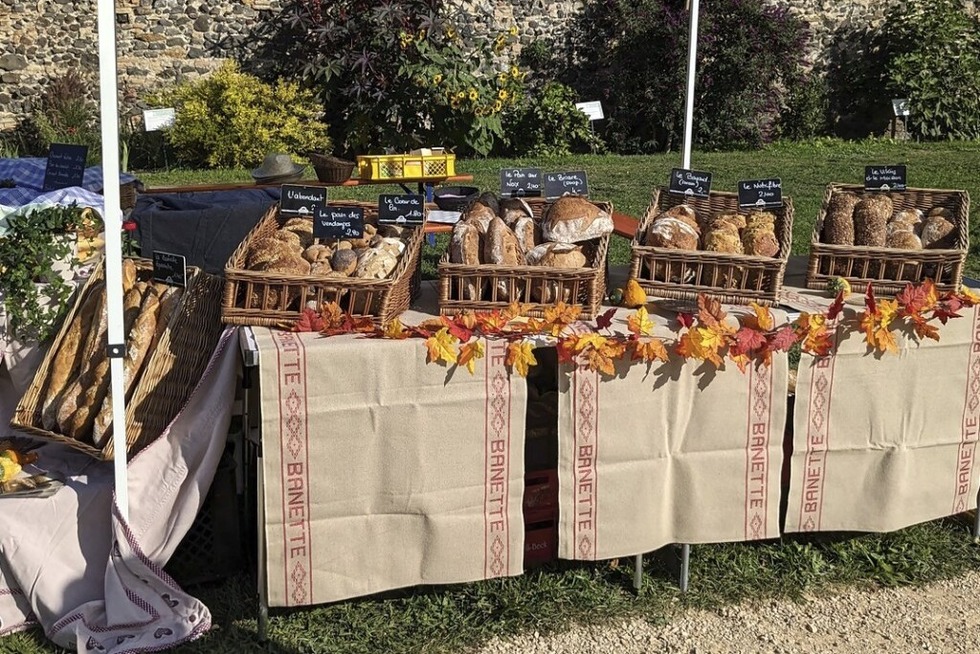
870 218
685 213
572 219
303 228
391 231
344 261
671 232
942 212
760 241
557 255
938 233
899 226
724 239
375 264
321 269
317 253
513 209
910 217
735 220
903 239
761 218
263 251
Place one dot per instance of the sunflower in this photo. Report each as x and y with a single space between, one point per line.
497 106
473 95
513 30
515 72
503 94
437 80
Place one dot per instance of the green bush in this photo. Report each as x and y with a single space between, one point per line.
925 50
807 111
547 123
230 119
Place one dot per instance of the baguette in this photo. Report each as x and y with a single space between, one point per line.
152 322
68 360
75 398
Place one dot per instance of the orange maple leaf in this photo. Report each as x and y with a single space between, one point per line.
649 350
332 316
492 322
520 357
763 318
559 316
515 310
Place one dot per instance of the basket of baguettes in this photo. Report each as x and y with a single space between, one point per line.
685 246
890 238
170 334
280 269
533 251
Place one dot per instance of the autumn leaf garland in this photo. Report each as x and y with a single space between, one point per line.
709 335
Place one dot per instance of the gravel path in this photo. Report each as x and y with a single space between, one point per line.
942 617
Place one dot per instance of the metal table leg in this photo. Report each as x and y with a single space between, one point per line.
685 567
638 573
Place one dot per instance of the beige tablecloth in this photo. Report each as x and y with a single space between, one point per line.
884 442
382 471
673 454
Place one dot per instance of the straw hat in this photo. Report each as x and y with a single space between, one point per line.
277 167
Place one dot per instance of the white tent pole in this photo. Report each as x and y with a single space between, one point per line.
108 96
692 57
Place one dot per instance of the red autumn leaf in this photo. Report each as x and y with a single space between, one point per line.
783 339
604 321
685 319
457 329
923 329
748 340
837 307
709 311
945 311
566 349
870 302
309 321
912 299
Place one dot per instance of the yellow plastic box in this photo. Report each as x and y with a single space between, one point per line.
406 166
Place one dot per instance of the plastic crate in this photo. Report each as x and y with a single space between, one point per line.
406 166
212 549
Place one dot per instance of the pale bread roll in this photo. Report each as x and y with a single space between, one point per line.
572 219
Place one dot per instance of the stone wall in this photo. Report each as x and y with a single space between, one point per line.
163 41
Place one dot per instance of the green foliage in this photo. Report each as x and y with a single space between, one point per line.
547 123
34 294
414 78
632 55
66 115
807 111
233 119
933 50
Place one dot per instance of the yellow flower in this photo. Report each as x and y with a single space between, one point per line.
454 103
503 94
513 30
502 78
437 80
515 72
450 32
461 95
497 106
473 95
421 35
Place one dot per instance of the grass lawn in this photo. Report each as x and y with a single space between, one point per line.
453 618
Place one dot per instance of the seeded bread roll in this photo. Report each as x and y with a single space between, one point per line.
573 219
898 226
870 218
303 228
761 219
668 231
911 217
734 220
903 240
723 240
760 241
838 224
938 233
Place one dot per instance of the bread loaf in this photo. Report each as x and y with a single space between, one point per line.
128 274
938 233
573 219
734 220
761 219
904 239
464 248
344 262
155 312
369 232
513 209
479 215
870 218
501 247
760 241
723 240
375 264
942 212
68 360
557 255
527 232
672 232
838 223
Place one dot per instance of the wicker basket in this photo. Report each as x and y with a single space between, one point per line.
330 169
127 196
585 286
888 270
729 278
272 300
176 365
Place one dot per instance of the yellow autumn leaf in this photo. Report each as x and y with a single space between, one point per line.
441 346
470 353
596 341
763 317
520 357
639 323
394 329
887 310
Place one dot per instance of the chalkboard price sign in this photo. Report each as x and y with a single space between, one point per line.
885 178
559 184
520 182
760 193
689 183
338 222
65 167
301 200
170 268
401 210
